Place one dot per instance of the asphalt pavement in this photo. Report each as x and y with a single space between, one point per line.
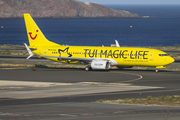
71 93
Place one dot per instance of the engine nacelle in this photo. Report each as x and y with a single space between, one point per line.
100 65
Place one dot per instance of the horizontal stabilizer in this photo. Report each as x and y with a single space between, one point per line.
29 51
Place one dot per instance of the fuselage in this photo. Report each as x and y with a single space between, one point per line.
119 56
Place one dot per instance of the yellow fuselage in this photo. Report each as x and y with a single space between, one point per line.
120 56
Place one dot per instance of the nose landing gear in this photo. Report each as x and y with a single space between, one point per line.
159 67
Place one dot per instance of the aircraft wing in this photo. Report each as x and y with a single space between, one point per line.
85 60
68 58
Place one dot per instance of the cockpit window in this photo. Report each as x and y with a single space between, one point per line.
163 55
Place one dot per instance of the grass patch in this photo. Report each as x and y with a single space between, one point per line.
8 52
168 101
11 46
40 65
16 65
175 47
9 64
175 56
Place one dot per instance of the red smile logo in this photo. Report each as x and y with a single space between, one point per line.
30 34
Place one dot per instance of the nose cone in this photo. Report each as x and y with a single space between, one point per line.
170 60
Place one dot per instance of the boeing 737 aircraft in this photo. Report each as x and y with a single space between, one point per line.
95 58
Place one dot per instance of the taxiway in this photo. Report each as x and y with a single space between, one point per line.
55 93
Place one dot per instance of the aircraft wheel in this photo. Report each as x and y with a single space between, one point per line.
87 68
157 70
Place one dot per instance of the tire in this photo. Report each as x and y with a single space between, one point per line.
108 66
87 68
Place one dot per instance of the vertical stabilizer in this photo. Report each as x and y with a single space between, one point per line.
35 36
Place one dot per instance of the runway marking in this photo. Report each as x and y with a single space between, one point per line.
68 115
140 77
8 83
99 83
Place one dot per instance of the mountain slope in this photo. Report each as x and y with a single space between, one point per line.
58 9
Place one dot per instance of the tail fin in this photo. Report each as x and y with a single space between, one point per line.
35 36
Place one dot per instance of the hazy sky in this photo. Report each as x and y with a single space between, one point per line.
133 1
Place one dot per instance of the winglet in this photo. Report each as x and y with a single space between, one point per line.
117 44
29 51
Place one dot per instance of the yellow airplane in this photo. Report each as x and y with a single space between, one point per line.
96 58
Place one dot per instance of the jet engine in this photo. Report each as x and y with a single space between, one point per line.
100 65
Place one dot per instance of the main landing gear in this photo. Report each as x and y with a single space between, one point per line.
88 68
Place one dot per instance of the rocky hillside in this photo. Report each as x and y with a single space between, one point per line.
58 9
